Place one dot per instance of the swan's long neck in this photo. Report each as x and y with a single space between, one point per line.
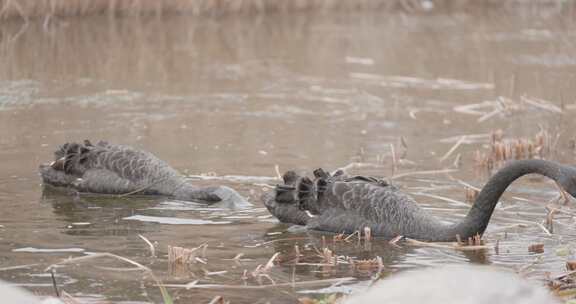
186 191
478 217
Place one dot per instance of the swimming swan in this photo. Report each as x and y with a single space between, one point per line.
116 169
345 204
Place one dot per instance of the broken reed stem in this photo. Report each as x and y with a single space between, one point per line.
367 264
550 218
218 300
394 161
359 165
163 291
17 267
270 262
450 245
54 284
471 194
544 229
425 172
357 233
454 147
181 255
367 234
264 286
501 149
395 240
150 245
277 170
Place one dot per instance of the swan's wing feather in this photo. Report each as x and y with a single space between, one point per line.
127 162
285 212
117 168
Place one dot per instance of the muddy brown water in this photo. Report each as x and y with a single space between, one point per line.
235 96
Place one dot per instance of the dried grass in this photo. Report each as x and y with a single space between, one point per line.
47 9
165 295
329 299
368 265
219 300
195 285
181 255
471 194
564 285
504 106
536 248
471 245
501 149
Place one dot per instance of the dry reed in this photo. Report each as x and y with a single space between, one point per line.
26 9
165 295
472 245
536 248
180 255
49 9
501 149
471 194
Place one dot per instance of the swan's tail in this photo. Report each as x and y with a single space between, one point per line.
305 193
285 213
55 177
72 157
70 162
295 199
302 191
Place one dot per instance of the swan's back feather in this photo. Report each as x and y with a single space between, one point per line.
107 168
344 203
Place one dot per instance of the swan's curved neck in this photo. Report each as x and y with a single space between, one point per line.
479 215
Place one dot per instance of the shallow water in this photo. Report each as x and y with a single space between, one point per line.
236 96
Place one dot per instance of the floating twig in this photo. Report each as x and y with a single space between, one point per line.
264 286
166 297
54 284
150 245
454 147
277 170
450 245
426 172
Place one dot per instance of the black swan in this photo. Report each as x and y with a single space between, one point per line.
115 169
339 203
455 284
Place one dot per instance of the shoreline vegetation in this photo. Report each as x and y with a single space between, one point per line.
47 9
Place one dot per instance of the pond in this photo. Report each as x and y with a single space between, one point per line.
227 100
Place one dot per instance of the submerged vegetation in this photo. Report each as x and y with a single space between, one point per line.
502 149
195 262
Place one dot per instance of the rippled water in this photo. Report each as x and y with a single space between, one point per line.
227 99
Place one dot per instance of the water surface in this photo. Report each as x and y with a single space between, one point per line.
233 97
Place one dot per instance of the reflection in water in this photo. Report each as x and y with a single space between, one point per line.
236 96
97 215
393 257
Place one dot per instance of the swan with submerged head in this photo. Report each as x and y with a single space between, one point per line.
339 203
116 169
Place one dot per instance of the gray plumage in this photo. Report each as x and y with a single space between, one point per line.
116 169
340 203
